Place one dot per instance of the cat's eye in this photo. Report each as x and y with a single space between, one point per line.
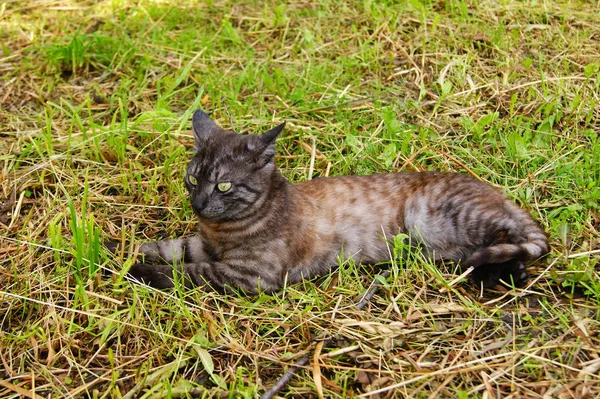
193 181
224 186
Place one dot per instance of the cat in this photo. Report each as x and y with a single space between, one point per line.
258 232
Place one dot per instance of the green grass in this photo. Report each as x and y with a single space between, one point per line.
95 105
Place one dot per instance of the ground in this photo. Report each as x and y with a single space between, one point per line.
95 105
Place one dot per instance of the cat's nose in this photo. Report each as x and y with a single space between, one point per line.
199 203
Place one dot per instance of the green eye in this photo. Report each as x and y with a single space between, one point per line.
192 180
224 186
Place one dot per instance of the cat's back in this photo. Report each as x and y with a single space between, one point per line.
351 197
390 186
355 212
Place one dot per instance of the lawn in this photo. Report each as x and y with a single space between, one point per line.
95 106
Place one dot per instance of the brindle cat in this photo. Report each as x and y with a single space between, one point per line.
258 232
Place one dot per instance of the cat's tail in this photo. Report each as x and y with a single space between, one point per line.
527 243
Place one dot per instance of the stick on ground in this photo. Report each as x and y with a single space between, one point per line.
288 375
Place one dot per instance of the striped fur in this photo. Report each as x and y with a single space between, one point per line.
264 232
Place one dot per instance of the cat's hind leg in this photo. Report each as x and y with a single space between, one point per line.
509 273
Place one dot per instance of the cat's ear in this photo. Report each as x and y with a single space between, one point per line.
267 140
270 136
203 127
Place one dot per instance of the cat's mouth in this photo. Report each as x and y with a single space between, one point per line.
209 214
205 210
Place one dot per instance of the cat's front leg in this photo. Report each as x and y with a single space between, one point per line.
218 275
157 276
178 250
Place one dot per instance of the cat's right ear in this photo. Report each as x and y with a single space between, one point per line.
203 127
268 138
268 144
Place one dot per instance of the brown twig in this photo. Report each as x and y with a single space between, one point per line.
288 375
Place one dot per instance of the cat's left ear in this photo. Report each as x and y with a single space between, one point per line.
267 146
203 127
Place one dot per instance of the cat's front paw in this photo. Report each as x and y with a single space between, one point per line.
112 246
157 276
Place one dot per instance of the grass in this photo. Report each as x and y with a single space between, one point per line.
95 99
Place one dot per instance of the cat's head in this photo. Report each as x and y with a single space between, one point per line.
230 172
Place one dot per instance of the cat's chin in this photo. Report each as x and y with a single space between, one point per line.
212 217
222 216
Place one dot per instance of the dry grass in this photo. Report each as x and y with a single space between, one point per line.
94 115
